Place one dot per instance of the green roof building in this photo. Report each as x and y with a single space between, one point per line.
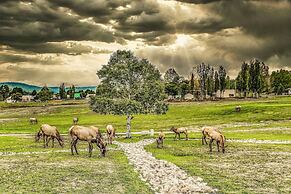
77 95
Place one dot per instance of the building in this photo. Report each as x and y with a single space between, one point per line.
9 100
77 95
27 98
228 93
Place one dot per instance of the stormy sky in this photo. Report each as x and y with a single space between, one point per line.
54 41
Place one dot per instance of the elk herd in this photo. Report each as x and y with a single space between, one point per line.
211 133
92 135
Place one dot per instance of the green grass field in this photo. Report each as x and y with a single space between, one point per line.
244 168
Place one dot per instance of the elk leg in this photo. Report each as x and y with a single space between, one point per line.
204 139
59 140
210 145
90 148
47 142
53 142
217 144
44 138
72 146
186 133
75 146
176 136
179 136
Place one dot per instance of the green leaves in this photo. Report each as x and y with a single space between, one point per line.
129 85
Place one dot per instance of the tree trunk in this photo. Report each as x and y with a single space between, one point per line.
128 126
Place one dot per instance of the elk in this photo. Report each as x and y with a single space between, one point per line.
206 131
33 121
178 132
214 134
49 133
220 141
160 140
75 120
90 134
110 133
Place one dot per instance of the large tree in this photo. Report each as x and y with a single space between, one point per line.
129 85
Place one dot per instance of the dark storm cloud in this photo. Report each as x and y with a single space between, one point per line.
41 22
224 32
69 48
198 1
267 21
16 58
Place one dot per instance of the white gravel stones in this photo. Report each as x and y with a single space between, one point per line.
163 176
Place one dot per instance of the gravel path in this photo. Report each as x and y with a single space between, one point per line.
162 176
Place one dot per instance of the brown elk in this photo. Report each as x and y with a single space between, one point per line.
178 132
49 133
110 133
160 140
205 133
214 134
90 134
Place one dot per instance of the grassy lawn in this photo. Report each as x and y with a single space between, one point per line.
63 173
244 168
194 114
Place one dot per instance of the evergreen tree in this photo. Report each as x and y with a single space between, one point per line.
202 71
62 91
192 83
245 76
216 82
222 79
210 82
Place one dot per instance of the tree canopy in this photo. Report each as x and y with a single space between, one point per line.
129 85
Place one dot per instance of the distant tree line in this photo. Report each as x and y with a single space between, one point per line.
252 80
44 94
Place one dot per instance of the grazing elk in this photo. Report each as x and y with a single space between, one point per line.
90 134
49 133
214 134
110 131
178 132
160 140
205 133
33 121
75 120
